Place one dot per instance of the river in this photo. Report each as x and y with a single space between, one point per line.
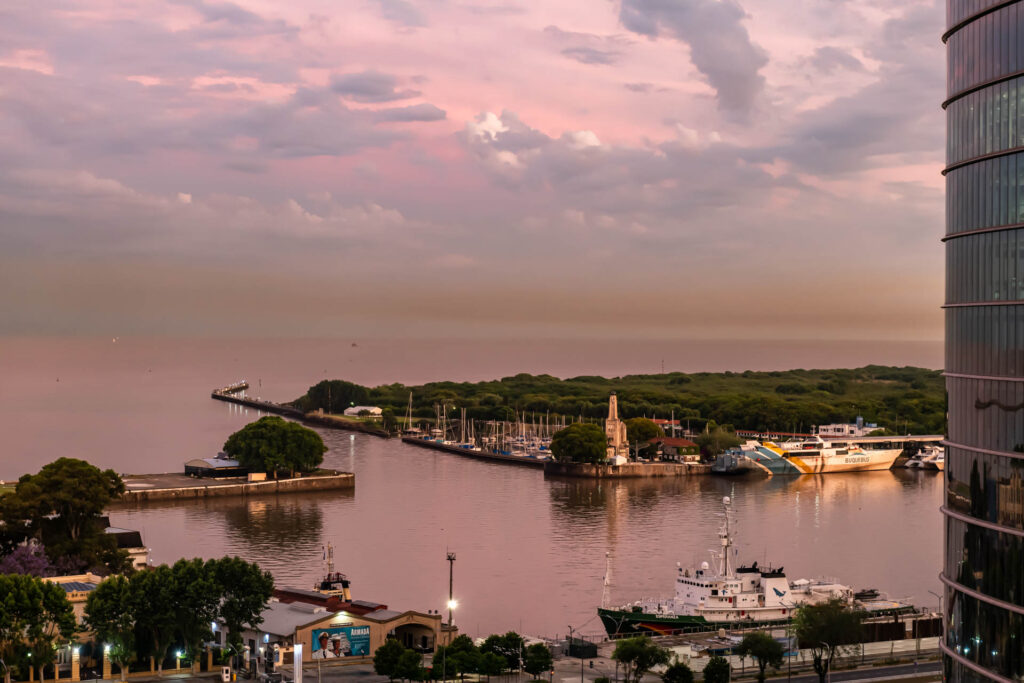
530 551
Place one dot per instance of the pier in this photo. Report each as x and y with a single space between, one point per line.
230 394
142 488
470 453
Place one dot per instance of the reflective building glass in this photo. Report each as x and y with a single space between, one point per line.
984 504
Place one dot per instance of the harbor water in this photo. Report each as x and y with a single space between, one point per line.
530 551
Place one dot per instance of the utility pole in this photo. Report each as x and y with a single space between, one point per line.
451 597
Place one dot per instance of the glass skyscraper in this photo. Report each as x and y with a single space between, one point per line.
984 505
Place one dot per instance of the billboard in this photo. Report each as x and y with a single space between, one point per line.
341 641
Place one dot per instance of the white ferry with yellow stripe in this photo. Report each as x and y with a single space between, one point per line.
812 456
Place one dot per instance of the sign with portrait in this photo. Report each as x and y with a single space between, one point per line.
341 641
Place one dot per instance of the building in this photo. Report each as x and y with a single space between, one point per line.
131 542
221 466
675 448
370 411
615 430
329 628
858 428
983 572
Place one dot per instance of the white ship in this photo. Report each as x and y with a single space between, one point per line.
706 598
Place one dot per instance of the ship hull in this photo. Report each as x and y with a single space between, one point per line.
776 461
623 624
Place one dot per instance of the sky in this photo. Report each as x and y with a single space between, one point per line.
565 168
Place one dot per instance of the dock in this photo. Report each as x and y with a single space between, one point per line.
229 394
478 455
143 488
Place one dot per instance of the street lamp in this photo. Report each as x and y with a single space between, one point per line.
581 653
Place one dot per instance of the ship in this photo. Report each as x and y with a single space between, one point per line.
811 456
746 596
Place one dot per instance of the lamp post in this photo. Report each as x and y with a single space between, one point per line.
581 653
451 599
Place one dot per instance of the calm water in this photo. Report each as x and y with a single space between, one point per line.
530 550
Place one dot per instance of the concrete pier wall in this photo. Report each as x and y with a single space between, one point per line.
345 480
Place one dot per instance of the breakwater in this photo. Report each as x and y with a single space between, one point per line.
229 394
630 470
142 488
479 455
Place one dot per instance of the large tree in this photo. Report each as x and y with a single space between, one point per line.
197 603
677 672
274 445
580 442
245 590
154 600
826 628
639 655
385 659
640 430
334 396
61 507
762 647
717 670
509 646
716 439
110 611
35 617
538 659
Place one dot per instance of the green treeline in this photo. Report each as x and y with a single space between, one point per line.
904 399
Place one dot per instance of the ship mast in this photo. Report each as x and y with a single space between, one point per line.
725 535
606 594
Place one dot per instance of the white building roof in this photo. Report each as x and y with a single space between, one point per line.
281 619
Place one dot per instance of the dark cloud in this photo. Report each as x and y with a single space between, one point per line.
587 48
415 112
401 12
370 86
720 47
827 59
589 55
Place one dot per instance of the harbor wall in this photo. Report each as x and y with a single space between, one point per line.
345 480
229 396
631 470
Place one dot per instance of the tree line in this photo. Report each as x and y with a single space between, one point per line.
134 617
497 655
902 399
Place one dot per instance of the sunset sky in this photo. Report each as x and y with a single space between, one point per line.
628 168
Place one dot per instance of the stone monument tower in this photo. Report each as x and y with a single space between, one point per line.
615 430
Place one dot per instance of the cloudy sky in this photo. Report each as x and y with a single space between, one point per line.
655 168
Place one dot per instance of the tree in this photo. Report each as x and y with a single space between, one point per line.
762 647
639 655
110 613
197 601
388 421
244 590
155 603
825 628
716 439
272 444
27 559
640 429
677 672
333 396
492 664
538 659
580 442
61 507
409 666
717 670
508 646
385 659
35 616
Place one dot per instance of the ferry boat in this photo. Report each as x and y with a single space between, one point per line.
725 597
812 456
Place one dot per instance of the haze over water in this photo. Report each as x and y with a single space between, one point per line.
530 550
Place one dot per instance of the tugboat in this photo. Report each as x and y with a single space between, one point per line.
725 597
333 583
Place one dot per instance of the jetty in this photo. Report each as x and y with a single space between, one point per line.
143 488
234 393
471 453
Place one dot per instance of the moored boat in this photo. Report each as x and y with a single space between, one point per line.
726 597
813 456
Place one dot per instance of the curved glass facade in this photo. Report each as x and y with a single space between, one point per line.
984 510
